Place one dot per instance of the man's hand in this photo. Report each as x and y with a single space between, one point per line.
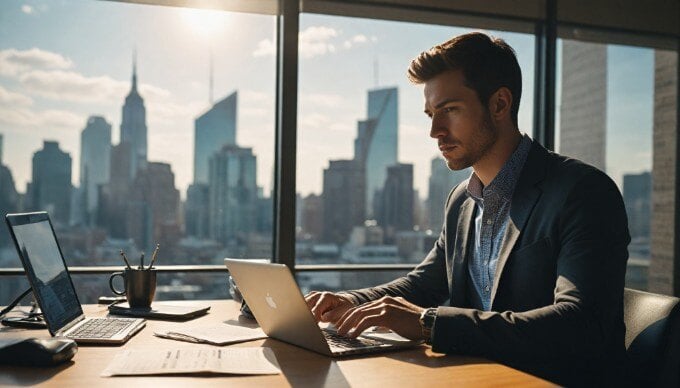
327 306
396 314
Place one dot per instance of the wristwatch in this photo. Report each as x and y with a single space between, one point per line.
427 319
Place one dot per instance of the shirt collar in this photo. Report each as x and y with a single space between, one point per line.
506 179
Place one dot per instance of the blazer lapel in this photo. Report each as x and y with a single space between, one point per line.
458 280
523 201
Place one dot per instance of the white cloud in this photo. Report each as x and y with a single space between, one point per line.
265 48
43 122
313 41
27 9
8 98
72 86
322 99
14 62
316 41
360 38
315 121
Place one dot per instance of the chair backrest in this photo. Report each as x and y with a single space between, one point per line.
652 339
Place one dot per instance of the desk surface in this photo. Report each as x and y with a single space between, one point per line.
413 367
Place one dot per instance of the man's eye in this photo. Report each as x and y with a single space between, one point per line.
449 109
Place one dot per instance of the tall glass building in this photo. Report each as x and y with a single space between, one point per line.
213 130
377 141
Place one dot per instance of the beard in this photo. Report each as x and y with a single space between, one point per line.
479 146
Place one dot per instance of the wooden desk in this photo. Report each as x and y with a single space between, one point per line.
413 367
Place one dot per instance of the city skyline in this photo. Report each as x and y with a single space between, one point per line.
46 81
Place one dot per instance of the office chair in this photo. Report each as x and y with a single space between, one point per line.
652 339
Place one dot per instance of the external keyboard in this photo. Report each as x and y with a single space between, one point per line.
101 328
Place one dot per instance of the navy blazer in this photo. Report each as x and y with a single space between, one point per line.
557 297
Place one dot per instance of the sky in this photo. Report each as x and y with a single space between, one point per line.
63 61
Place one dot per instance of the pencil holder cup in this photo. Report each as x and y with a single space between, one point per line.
140 286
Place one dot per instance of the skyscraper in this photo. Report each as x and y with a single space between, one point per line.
637 196
344 205
153 206
95 162
583 113
133 126
376 145
441 181
51 182
196 211
232 194
664 168
395 210
113 197
213 130
9 201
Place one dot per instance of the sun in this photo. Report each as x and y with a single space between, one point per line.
204 22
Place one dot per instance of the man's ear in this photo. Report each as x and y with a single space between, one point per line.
500 103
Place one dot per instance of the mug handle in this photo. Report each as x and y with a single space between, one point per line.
113 275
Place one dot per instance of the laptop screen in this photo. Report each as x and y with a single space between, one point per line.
45 268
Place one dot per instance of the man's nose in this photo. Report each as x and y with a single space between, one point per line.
437 128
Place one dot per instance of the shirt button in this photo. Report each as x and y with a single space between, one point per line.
489 222
486 288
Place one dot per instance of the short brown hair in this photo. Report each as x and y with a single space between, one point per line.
487 65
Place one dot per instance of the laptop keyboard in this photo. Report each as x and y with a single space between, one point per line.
101 328
334 339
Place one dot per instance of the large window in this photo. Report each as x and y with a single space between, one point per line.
371 184
613 111
137 125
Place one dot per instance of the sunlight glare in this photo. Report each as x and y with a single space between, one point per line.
204 22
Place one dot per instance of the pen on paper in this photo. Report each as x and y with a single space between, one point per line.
122 254
153 256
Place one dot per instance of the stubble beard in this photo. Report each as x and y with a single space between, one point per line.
480 146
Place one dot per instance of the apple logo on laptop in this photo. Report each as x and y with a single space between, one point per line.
270 301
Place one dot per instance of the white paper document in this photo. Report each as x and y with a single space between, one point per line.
220 334
204 359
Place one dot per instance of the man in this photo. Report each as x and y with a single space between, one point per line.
533 252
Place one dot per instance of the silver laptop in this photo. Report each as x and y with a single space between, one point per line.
280 309
53 288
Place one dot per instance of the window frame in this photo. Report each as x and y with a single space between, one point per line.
537 17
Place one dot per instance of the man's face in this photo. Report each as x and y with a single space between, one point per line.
460 123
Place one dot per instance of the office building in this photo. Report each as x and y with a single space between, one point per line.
442 180
583 113
113 197
9 201
232 195
375 147
153 207
664 184
311 217
95 163
133 126
394 212
637 196
343 200
196 211
213 130
51 182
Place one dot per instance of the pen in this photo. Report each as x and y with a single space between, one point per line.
125 258
141 261
153 256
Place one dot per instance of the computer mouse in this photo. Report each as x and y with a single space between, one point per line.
38 352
